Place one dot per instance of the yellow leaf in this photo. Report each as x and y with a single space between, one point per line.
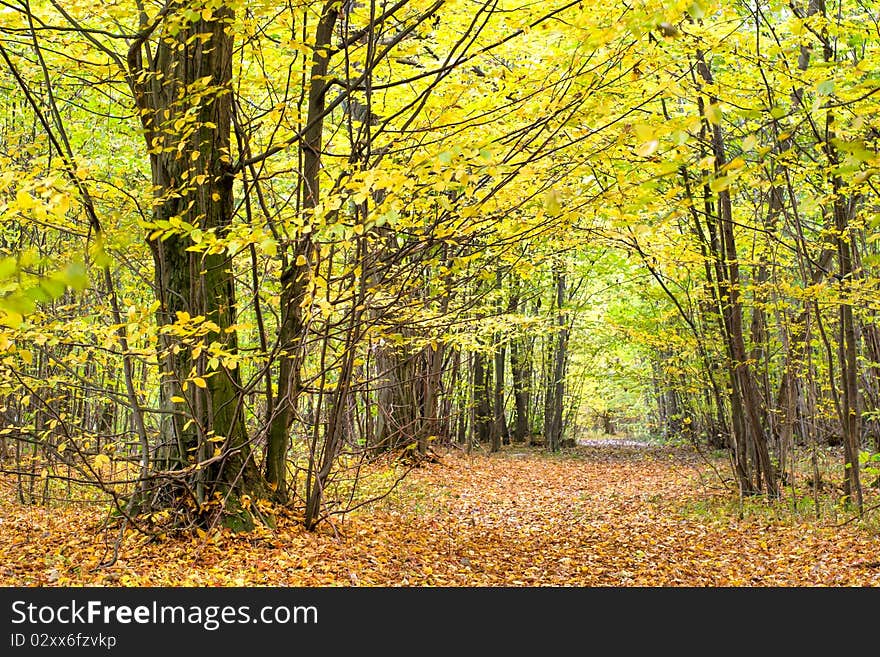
648 148
178 400
644 132
200 382
101 460
60 204
720 184
26 356
24 200
713 113
301 260
10 318
551 203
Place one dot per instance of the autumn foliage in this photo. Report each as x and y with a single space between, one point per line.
326 292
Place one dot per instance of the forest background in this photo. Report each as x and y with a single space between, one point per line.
259 261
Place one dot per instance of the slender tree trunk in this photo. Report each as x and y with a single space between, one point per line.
848 357
433 380
520 373
752 441
295 277
554 400
500 432
850 417
482 399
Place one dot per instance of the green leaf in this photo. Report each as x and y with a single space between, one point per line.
826 87
98 254
53 288
391 217
75 276
696 10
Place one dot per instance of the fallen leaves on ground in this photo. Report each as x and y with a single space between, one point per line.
612 515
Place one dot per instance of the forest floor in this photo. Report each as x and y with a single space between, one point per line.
606 513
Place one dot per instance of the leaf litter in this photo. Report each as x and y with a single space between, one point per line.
597 515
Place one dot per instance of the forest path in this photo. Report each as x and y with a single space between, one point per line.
604 514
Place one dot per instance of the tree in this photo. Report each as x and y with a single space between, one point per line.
323 232
287 218
180 73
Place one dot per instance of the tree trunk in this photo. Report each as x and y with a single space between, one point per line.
848 357
850 417
500 431
295 276
747 406
520 373
482 400
553 401
183 91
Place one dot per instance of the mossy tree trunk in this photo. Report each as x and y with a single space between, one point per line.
181 76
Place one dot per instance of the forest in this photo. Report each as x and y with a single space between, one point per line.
439 292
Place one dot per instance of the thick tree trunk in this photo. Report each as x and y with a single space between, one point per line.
183 91
402 378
